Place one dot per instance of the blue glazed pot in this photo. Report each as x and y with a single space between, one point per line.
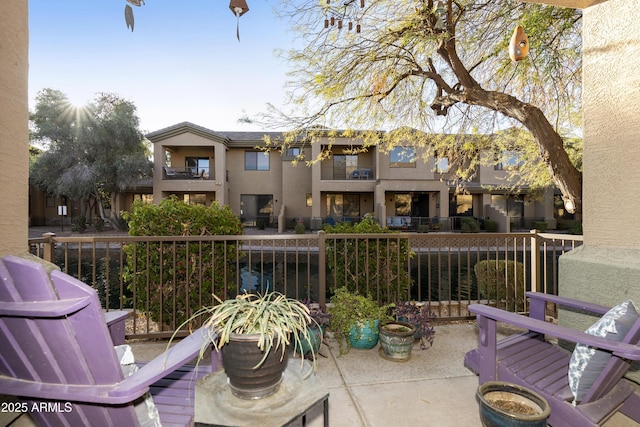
499 402
305 346
366 336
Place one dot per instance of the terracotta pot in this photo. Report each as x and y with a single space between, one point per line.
239 359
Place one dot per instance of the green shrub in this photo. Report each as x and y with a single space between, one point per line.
576 228
377 266
79 224
260 224
178 278
541 226
469 225
423 228
501 282
299 228
490 226
98 224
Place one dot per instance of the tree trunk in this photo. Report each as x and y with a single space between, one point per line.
565 176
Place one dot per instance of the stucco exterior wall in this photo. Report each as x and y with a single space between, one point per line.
296 184
252 182
14 133
606 269
611 88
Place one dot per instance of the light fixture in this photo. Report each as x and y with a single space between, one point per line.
238 8
339 12
519 46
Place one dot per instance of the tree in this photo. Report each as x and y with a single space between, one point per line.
427 65
92 153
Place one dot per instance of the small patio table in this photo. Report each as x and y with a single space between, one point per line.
297 395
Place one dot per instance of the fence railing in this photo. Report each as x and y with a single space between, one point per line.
164 280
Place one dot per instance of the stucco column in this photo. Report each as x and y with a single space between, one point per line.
14 132
606 269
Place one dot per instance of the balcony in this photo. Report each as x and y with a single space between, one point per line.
186 173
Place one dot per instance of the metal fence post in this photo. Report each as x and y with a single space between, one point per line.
48 251
535 261
322 269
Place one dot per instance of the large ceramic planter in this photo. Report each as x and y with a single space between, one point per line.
239 359
510 405
396 340
312 345
365 336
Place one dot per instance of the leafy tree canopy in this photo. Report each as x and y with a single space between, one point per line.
90 152
440 68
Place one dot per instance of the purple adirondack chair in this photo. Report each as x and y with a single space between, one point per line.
57 355
530 360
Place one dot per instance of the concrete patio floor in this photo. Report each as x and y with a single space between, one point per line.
433 388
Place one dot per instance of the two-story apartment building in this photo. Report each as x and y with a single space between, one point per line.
399 188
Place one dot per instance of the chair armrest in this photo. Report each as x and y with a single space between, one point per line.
624 350
568 302
184 351
122 392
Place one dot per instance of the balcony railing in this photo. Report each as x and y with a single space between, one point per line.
164 280
186 173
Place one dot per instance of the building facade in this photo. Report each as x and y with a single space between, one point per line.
398 188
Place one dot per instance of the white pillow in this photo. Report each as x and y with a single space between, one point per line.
146 410
587 362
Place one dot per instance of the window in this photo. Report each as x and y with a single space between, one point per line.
309 200
256 206
343 205
198 166
256 161
403 204
147 199
462 205
402 157
344 165
513 206
291 153
442 165
507 161
195 199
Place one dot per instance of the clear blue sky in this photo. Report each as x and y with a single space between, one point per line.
181 63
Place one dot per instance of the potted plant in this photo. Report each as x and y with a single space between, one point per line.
416 314
253 333
316 328
354 319
396 340
503 404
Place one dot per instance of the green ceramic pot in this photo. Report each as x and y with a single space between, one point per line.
364 337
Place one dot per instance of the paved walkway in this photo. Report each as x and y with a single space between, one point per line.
433 388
